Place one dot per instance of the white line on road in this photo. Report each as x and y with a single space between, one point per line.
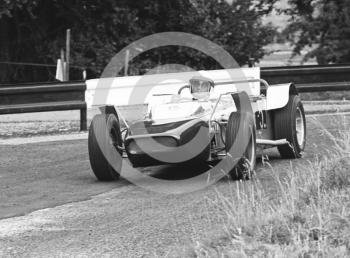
43 139
51 219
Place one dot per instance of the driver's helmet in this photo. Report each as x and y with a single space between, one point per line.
201 87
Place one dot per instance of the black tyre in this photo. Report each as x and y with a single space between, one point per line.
290 124
105 143
246 164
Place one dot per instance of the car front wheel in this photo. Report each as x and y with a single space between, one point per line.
105 147
245 166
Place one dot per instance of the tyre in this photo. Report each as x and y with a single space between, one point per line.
246 164
104 144
290 124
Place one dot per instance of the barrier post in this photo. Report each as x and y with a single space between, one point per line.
83 119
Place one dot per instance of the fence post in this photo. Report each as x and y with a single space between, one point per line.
83 119
67 54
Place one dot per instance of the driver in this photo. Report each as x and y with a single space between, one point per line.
201 87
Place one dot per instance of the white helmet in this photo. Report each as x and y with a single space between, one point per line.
201 87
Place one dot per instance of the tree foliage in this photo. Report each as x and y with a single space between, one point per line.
323 26
34 31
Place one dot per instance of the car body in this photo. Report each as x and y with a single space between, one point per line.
195 124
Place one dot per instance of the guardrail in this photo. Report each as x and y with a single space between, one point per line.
44 97
313 78
306 74
57 96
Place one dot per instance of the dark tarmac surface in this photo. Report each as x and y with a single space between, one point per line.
67 212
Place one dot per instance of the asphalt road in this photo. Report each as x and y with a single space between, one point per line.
52 206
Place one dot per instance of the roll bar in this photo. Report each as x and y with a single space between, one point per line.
231 82
244 81
228 93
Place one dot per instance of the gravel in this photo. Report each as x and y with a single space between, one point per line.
56 123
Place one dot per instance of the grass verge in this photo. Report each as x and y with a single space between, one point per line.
309 216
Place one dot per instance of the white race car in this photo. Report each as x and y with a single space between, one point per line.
205 121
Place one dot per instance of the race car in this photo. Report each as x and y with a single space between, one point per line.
206 121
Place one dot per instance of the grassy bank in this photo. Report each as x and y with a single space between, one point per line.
308 216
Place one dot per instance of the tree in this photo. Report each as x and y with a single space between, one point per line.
323 26
34 31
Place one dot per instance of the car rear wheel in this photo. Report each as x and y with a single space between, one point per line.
105 147
290 124
245 165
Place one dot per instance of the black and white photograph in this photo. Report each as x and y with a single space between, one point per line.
175 128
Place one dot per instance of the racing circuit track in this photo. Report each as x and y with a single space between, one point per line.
52 205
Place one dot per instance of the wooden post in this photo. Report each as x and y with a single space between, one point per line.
63 66
67 55
251 62
126 65
83 119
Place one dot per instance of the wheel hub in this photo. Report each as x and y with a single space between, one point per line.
300 127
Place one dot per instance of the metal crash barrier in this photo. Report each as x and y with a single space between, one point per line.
59 96
44 97
313 78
